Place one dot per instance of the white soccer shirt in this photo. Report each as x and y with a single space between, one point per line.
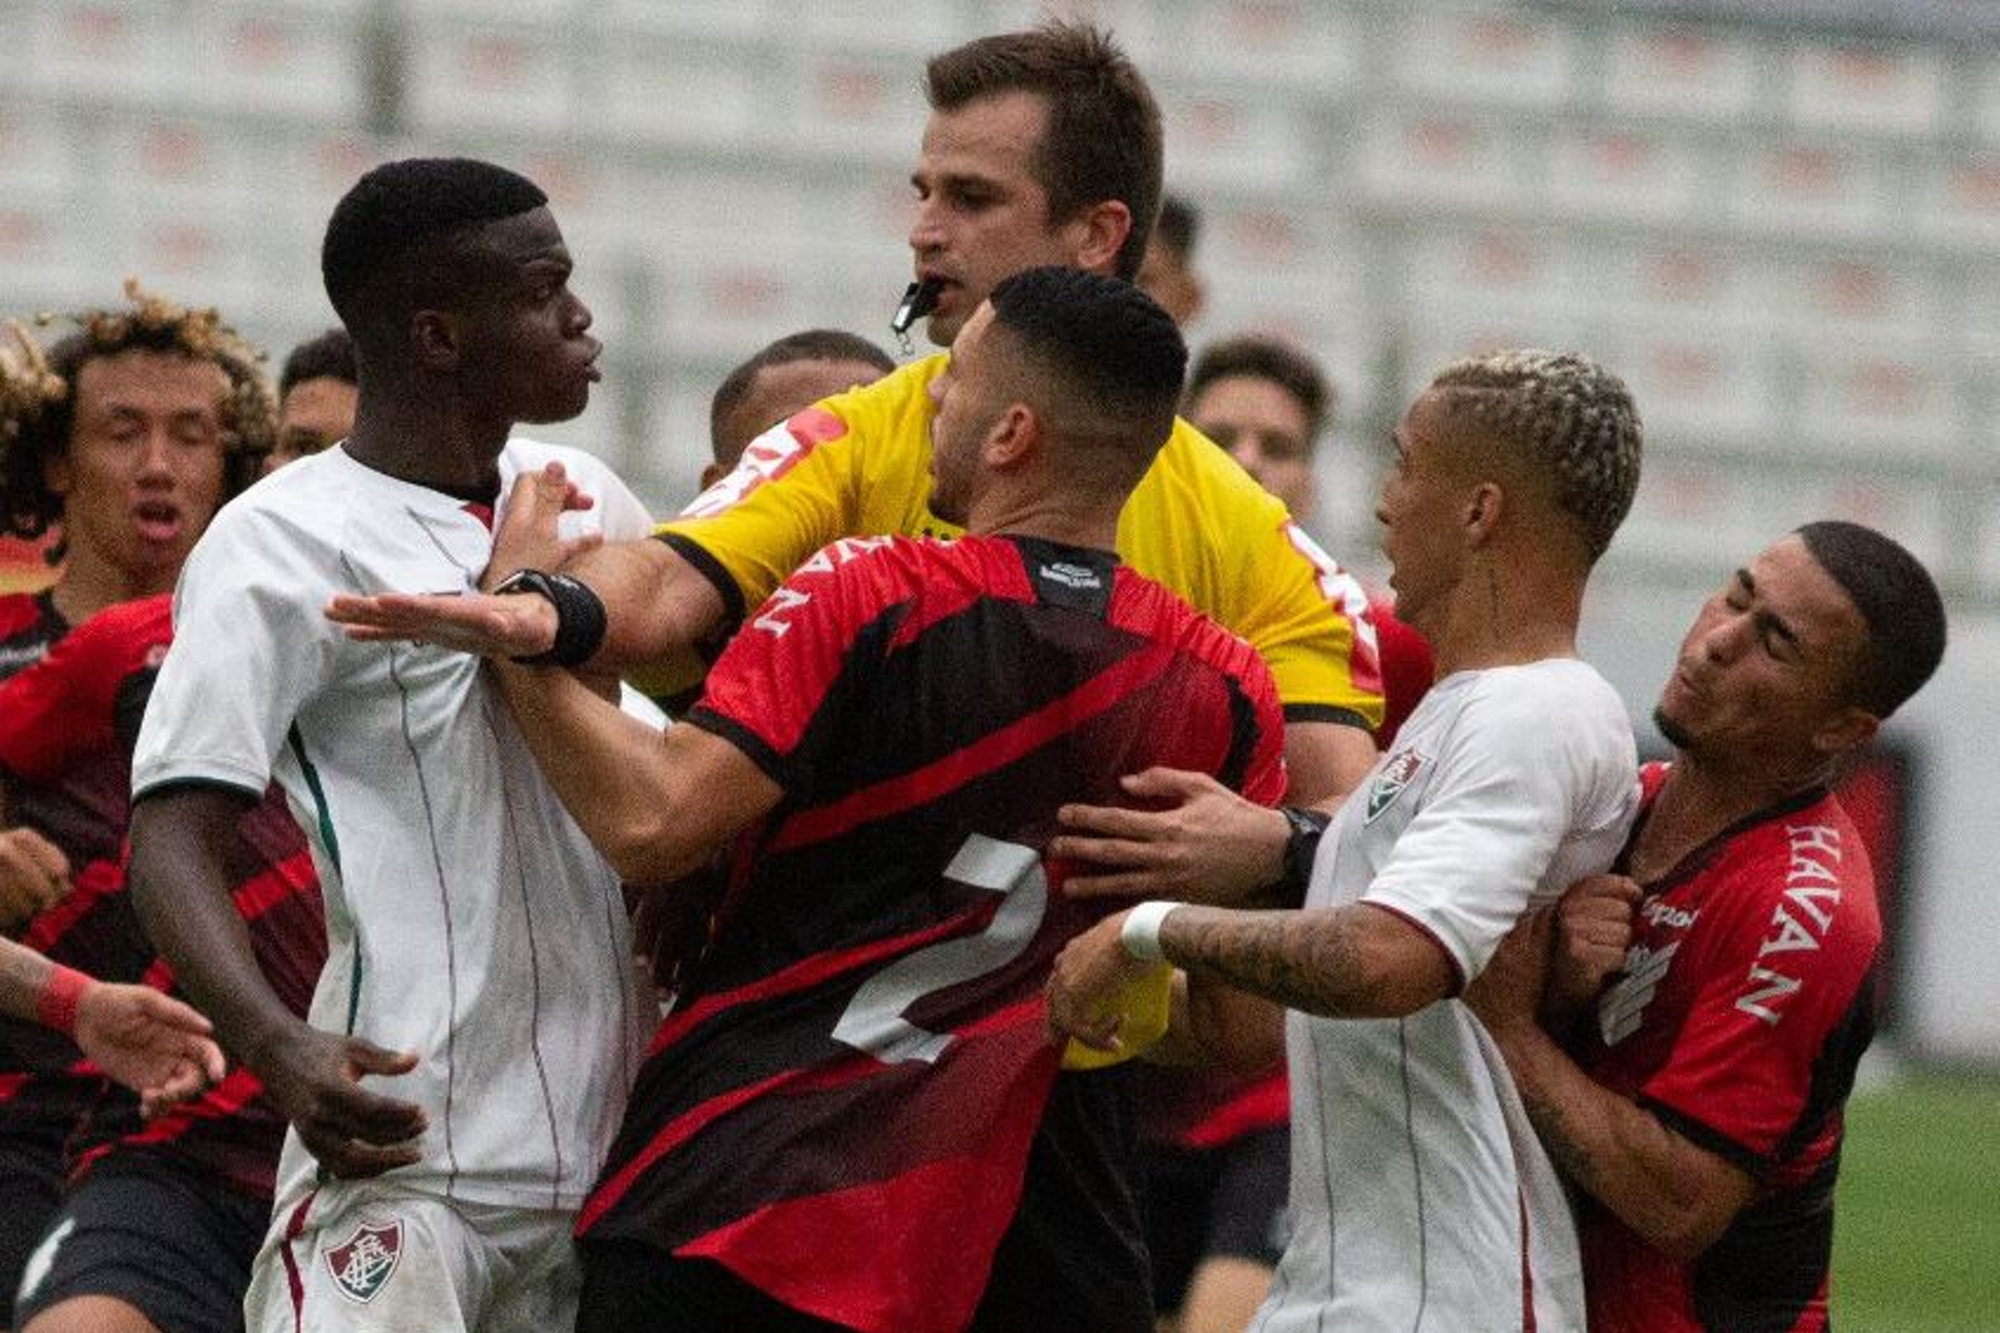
468 919
1420 1197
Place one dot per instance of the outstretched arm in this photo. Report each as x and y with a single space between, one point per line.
180 888
1355 961
656 603
1678 1197
152 1043
656 805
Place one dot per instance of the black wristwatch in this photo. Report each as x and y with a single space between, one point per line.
580 619
1301 845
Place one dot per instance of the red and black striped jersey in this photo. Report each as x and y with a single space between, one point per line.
854 1107
1745 1004
76 708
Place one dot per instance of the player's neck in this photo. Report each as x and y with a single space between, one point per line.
1700 799
90 583
1067 520
428 440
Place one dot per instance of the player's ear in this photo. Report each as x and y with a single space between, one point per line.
434 339
1015 435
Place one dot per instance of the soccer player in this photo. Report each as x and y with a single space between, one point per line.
852 1119
158 1225
479 958
316 398
1418 1191
1043 147
780 379
1698 1105
128 433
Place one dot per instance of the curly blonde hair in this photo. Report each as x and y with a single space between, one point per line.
1574 420
38 408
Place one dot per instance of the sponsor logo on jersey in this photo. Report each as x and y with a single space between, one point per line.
1396 774
1802 919
362 1264
20 657
1072 576
1623 1007
1667 916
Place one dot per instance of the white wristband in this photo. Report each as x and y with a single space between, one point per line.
1141 932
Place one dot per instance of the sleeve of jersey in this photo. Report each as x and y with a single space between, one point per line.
765 693
793 492
1504 792
249 643
1769 1008
59 711
1301 611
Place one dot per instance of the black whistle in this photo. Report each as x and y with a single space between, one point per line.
918 299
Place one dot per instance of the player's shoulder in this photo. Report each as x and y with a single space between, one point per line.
885 413
144 620
1148 606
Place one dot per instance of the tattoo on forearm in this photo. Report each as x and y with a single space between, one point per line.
1308 961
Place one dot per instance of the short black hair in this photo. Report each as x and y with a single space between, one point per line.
1116 355
805 345
1103 138
1179 226
399 210
330 356
1256 356
1899 603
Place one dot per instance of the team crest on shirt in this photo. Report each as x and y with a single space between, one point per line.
1399 772
362 1264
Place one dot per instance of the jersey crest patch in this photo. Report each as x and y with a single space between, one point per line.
1396 774
362 1264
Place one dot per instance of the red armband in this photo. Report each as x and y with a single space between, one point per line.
55 1007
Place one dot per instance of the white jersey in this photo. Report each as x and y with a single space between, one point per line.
1415 1173
468 918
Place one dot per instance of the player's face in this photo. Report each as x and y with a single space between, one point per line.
966 410
317 414
1420 512
144 471
526 351
981 214
1265 430
1764 668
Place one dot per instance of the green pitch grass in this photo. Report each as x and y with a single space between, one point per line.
1917 1230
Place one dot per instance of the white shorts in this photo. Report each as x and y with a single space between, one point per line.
363 1256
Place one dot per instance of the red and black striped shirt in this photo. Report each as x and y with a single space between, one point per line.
854 1108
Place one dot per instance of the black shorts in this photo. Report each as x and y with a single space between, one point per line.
31 1187
1227 1201
156 1234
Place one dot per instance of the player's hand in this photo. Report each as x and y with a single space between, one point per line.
315 1080
1084 986
479 623
1507 994
529 536
34 874
516 626
1593 933
1209 845
152 1043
